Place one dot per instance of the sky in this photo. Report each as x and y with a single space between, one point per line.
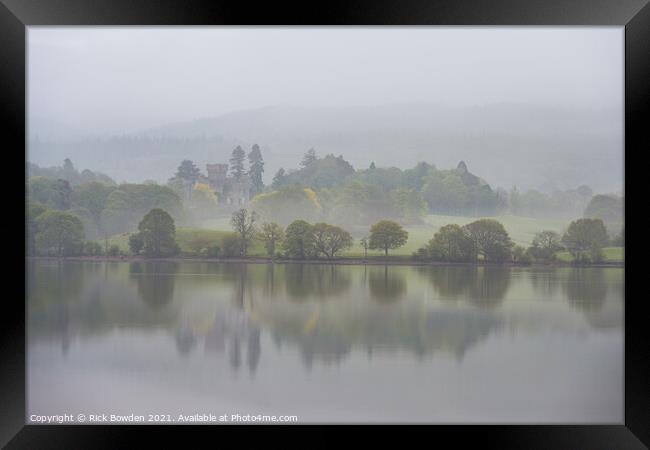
123 79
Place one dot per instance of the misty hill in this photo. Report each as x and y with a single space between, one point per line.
530 146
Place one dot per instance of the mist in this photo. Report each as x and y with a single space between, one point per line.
538 107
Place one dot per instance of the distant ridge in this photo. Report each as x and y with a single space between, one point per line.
507 143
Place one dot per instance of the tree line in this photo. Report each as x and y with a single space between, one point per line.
303 240
487 239
58 233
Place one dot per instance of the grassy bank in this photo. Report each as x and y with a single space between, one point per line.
521 230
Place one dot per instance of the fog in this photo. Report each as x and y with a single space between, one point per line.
538 106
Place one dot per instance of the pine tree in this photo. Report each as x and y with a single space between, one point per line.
188 171
237 162
255 170
309 158
278 179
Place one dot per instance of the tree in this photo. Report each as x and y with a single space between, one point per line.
386 235
68 166
299 239
59 232
188 172
231 245
278 179
409 203
330 239
308 158
365 243
113 250
53 193
619 239
326 172
490 239
452 243
92 196
203 202
515 201
92 248
255 170
545 245
158 233
32 212
585 238
608 208
287 204
521 255
136 243
127 204
372 166
271 234
237 162
243 223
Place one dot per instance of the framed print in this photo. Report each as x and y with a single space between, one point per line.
358 213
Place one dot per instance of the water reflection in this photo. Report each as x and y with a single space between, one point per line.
386 285
378 342
230 330
155 280
586 288
320 281
484 286
227 308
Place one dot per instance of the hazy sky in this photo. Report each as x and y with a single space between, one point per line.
108 79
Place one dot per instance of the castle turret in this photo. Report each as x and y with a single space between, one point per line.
217 174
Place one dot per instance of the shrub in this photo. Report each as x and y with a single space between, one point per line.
521 255
211 251
114 250
92 248
231 246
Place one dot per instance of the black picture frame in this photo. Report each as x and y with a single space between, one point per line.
634 15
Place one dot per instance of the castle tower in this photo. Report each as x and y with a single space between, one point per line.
217 174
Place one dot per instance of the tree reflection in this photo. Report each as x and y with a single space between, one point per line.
185 340
254 349
386 285
155 280
545 282
234 353
450 282
230 331
488 286
484 286
315 280
586 288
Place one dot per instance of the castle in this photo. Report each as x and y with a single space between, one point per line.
229 190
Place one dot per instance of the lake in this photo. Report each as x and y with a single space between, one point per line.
326 343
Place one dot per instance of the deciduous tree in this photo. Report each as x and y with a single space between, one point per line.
585 239
330 239
299 240
243 223
59 232
490 239
271 234
386 235
158 234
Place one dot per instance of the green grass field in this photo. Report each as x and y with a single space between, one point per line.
611 254
521 230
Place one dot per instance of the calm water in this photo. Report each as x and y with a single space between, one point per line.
326 343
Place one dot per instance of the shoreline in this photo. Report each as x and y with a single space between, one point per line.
336 261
